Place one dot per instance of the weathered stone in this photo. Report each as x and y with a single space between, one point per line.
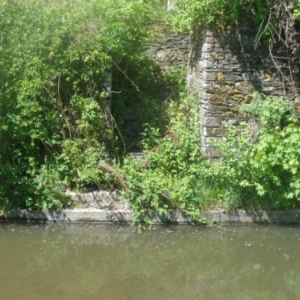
222 75
208 64
210 39
224 62
233 77
161 55
173 216
222 108
209 33
170 51
99 199
209 76
208 47
268 89
211 140
211 122
210 131
233 122
208 55
210 152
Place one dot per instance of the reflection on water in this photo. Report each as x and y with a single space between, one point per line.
94 261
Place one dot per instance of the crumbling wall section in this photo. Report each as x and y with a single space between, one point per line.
225 69
170 50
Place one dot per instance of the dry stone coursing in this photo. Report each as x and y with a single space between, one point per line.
224 70
170 50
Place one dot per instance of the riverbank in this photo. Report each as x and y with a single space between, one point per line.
171 216
111 207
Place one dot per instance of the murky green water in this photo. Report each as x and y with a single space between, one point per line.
94 261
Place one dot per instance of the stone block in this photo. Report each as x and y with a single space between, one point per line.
210 39
209 151
208 47
233 122
208 33
206 85
233 77
208 64
209 76
99 199
206 55
220 51
210 131
212 140
222 108
211 122
183 46
207 106
268 89
224 62
161 55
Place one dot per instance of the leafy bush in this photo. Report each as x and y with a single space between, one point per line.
56 128
55 125
199 13
170 175
260 168
191 13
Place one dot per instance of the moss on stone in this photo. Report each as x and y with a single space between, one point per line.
244 83
220 77
228 82
216 99
235 91
239 98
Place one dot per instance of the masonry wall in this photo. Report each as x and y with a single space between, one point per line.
224 70
170 50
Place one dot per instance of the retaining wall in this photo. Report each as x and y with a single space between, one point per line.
171 216
225 69
110 207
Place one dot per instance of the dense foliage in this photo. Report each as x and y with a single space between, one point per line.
170 175
275 22
57 130
191 13
55 125
260 163
259 168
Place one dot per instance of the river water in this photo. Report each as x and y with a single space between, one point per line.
96 261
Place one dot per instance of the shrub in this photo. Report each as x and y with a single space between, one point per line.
55 124
261 168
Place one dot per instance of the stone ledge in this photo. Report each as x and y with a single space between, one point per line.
172 216
109 200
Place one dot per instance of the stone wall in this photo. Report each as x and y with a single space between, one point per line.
224 70
170 50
